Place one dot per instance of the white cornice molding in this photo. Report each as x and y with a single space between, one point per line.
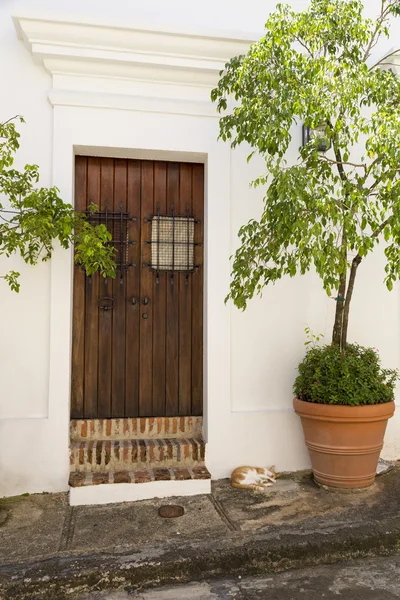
118 24
95 50
132 103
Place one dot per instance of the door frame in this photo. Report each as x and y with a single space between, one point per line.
155 136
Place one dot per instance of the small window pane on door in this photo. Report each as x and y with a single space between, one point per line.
172 243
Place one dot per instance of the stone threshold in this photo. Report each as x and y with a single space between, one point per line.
122 486
138 476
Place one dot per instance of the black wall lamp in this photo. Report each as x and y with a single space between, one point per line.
319 133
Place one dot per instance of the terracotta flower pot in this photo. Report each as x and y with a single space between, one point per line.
344 441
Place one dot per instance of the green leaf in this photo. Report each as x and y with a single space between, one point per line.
37 216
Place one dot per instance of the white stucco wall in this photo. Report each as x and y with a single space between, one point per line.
251 357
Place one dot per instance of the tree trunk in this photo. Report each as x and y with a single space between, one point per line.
340 304
353 272
340 299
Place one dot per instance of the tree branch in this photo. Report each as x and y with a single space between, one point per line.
381 61
381 227
338 156
350 164
380 20
374 162
9 120
303 45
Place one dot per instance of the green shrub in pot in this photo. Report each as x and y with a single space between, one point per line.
328 375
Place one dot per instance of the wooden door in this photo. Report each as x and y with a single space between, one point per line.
138 339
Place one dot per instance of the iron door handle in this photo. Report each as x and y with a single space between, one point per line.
145 300
133 301
106 303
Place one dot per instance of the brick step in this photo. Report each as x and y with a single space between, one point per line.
125 455
139 476
83 430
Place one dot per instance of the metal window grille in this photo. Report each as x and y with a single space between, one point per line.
117 223
172 242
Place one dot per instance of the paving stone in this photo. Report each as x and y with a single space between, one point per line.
33 527
135 523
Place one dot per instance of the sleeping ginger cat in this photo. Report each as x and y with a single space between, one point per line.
253 478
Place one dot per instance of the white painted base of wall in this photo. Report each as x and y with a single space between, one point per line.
131 492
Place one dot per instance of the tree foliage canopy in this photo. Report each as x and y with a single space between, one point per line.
327 210
32 218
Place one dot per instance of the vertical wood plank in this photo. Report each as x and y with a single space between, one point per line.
172 292
105 289
91 308
133 293
122 364
159 303
78 322
146 287
118 293
185 304
197 292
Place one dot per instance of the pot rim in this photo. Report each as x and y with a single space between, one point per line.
368 412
